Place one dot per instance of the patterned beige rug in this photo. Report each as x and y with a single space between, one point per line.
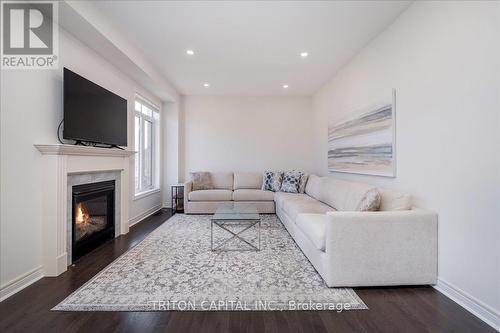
174 269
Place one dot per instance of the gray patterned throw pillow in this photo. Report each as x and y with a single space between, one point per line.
271 181
291 181
370 201
303 183
201 181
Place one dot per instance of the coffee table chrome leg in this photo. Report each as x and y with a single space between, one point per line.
234 235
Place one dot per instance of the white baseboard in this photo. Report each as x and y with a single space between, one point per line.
62 263
21 282
142 216
470 303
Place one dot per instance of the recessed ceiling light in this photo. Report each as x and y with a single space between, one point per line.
285 86
190 52
206 85
304 54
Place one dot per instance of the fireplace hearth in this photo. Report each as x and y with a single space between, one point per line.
93 221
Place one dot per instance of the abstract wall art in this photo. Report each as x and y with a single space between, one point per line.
365 144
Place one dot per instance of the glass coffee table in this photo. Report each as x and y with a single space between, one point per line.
230 215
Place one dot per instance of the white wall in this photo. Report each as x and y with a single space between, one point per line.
247 133
31 108
443 60
171 151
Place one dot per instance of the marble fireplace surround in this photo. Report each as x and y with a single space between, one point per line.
63 167
89 178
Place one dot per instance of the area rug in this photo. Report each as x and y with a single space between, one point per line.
174 269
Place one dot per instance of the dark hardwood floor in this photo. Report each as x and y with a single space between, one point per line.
401 309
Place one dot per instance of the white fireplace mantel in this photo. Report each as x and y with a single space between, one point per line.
60 161
61 149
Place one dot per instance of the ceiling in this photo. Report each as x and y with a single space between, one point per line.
250 47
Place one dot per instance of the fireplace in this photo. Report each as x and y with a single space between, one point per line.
93 221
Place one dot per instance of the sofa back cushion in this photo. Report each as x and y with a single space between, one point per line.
247 180
314 186
348 196
392 200
222 180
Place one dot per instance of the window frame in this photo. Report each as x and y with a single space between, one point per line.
140 190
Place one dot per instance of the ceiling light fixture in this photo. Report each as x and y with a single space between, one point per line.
304 54
206 85
189 52
285 86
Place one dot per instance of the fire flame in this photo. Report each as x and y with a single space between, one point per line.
81 216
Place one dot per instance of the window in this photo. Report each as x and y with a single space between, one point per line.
147 141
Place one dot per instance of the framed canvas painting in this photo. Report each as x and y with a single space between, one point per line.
365 143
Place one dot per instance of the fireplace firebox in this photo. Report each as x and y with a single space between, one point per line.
93 216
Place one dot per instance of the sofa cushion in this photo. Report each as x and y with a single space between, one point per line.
348 196
314 186
281 197
252 195
271 180
394 200
298 206
252 180
222 180
314 228
211 195
291 181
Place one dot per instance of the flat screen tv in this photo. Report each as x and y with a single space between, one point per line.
92 113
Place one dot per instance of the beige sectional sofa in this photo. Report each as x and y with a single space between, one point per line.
396 245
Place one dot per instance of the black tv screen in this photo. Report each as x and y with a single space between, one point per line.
92 113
